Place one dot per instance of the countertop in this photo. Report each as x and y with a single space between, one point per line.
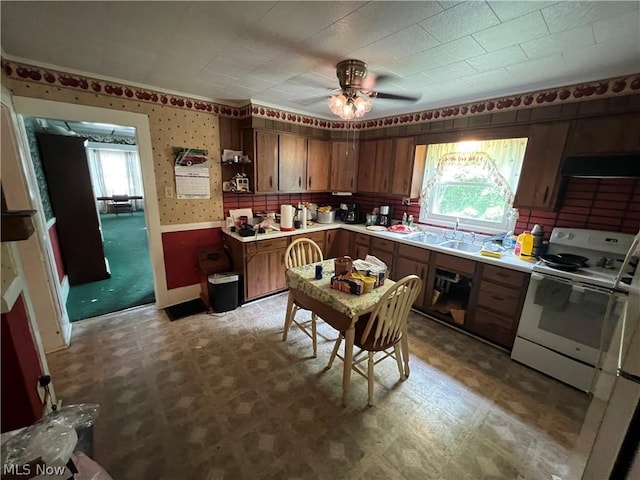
506 261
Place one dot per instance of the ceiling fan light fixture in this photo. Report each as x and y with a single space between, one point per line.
349 107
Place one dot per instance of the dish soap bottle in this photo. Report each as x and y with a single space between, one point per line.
524 245
404 218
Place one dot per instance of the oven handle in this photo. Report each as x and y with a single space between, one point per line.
579 287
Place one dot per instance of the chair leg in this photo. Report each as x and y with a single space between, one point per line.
314 337
335 351
288 317
370 377
398 356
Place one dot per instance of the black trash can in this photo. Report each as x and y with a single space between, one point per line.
223 291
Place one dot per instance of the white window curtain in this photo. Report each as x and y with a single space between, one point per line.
115 172
501 161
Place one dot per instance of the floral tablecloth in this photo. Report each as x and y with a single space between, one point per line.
304 279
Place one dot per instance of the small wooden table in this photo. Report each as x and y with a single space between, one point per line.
340 310
130 197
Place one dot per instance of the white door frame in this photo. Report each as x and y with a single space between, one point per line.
71 112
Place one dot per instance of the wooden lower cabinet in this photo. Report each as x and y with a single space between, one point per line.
337 243
318 237
360 245
413 261
384 250
500 296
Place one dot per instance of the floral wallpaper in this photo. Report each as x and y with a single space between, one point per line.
31 127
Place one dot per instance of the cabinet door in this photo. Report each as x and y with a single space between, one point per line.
403 172
604 135
265 273
540 175
408 266
338 243
374 166
344 166
318 165
266 153
292 163
366 166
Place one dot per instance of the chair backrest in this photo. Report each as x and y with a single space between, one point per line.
302 251
388 320
120 198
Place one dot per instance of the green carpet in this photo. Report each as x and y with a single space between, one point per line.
131 282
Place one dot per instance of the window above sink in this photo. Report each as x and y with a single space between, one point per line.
472 181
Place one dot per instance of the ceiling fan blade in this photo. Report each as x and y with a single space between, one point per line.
392 96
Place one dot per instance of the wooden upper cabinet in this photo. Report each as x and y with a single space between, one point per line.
266 160
408 168
344 166
375 164
366 162
292 167
540 175
616 134
318 165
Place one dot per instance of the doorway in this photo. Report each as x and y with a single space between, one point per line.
111 170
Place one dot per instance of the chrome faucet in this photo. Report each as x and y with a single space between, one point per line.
454 232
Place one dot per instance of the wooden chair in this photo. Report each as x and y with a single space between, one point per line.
122 204
302 252
385 328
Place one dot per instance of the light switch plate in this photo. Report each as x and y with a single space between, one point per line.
168 191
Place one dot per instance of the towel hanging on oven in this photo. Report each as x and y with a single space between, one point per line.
552 294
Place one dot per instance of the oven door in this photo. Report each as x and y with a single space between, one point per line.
569 317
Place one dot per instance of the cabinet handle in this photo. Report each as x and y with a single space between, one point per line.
497 298
405 186
351 182
309 182
385 184
546 192
270 181
299 181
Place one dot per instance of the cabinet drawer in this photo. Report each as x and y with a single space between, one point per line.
455 264
317 237
266 245
417 253
499 298
494 327
362 239
382 244
503 275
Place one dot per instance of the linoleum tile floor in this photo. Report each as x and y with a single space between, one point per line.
223 397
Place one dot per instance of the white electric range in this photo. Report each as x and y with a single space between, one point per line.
569 312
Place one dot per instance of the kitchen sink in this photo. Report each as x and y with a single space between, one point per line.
426 238
462 246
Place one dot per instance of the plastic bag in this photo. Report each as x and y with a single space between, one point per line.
52 438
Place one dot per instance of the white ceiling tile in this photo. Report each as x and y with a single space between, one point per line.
537 69
627 24
565 15
405 43
559 42
508 10
454 70
513 32
286 52
439 56
497 59
460 20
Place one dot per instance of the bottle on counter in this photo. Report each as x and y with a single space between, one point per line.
404 218
410 221
538 240
524 245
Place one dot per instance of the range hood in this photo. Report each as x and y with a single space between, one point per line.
603 165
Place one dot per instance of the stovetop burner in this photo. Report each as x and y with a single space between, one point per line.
603 253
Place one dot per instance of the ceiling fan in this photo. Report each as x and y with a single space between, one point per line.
354 99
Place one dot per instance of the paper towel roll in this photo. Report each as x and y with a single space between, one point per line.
286 217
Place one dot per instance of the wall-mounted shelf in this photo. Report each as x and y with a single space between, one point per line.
17 225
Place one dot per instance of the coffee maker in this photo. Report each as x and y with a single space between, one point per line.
385 216
353 214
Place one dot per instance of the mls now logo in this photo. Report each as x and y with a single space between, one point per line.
28 470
